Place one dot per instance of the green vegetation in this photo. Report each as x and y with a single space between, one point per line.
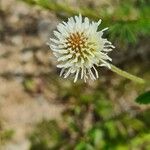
128 20
144 98
5 135
91 124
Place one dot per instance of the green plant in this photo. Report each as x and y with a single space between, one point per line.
5 135
103 131
128 21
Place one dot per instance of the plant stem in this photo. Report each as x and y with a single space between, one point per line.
127 75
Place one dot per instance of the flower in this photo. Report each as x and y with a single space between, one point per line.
79 47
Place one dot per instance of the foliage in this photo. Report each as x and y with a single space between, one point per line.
144 98
46 136
128 21
5 135
90 124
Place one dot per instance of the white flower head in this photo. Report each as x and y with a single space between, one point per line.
79 47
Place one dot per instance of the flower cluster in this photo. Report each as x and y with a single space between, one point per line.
79 48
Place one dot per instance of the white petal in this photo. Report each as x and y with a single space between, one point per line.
64 65
55 41
76 76
104 29
95 72
57 34
107 49
65 57
67 73
62 71
108 46
91 74
82 72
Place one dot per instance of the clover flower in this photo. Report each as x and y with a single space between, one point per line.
79 47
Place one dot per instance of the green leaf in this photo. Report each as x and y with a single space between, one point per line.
144 98
83 146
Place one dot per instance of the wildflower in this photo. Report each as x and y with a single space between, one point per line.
79 47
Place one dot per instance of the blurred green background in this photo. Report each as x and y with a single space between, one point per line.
41 111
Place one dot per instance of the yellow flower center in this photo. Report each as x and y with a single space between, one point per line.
77 41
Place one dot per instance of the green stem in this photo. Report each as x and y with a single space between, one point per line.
127 75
